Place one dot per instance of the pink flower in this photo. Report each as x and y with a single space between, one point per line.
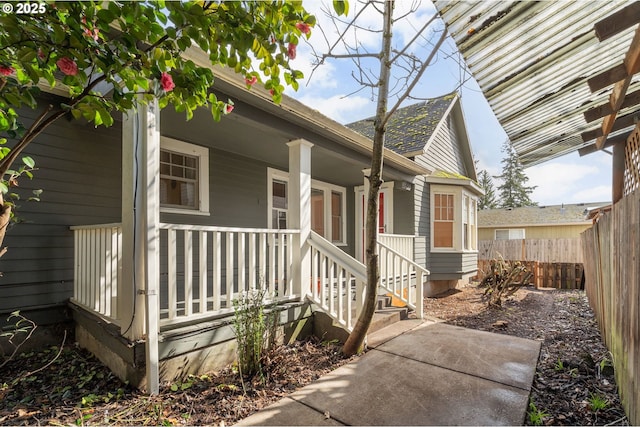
41 54
167 82
272 92
68 66
93 34
291 51
303 27
6 70
251 81
228 108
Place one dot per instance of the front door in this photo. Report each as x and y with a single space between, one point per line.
385 215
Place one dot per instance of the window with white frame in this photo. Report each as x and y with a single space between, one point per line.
443 219
280 205
453 219
509 234
328 208
469 222
184 177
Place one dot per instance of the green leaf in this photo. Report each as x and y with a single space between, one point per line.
3 187
341 7
29 161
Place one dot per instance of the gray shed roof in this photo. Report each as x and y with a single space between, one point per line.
537 215
410 128
534 61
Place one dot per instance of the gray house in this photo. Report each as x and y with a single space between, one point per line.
440 210
149 230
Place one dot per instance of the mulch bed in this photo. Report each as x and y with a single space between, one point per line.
77 389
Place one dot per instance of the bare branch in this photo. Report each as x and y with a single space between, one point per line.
425 65
418 34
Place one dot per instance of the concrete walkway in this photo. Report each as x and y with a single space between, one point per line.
419 373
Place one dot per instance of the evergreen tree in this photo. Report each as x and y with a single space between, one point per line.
513 191
488 201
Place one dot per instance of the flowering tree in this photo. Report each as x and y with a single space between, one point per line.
109 55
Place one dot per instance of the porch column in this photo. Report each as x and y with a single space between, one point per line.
300 213
138 290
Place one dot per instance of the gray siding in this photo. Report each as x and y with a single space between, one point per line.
443 152
421 220
79 171
238 193
403 211
450 266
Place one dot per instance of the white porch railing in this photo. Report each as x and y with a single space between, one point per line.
402 277
98 268
401 243
337 281
203 269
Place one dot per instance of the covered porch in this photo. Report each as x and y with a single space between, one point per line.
162 268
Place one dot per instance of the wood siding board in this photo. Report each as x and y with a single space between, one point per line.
40 257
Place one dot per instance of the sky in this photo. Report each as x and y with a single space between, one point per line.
331 89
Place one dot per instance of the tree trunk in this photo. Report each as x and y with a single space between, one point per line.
5 218
356 338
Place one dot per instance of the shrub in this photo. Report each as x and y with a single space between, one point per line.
256 331
503 279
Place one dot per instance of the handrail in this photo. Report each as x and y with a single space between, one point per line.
190 227
409 261
358 269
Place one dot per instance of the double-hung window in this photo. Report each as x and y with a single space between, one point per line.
443 219
184 177
509 233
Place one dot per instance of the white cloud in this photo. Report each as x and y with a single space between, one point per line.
599 193
338 108
561 182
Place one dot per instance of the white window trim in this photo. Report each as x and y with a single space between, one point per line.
458 223
325 187
203 174
495 232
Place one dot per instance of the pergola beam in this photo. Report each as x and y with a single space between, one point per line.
589 149
602 110
621 122
632 65
618 22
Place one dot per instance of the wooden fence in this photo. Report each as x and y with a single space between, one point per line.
542 250
559 275
555 263
612 271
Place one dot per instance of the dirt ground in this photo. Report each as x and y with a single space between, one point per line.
574 383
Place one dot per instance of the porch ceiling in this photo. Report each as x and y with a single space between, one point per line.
264 140
554 72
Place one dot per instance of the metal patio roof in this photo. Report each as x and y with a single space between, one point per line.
532 60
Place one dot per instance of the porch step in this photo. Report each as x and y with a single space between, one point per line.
386 314
386 317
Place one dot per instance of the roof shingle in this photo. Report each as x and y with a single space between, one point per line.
410 127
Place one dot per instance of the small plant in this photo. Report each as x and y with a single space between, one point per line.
18 332
536 415
255 329
559 366
598 402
